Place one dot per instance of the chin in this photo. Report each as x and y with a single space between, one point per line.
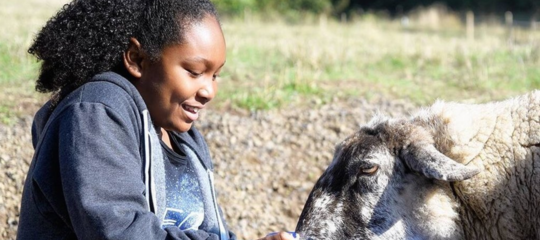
177 127
183 127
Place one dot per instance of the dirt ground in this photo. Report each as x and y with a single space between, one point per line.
265 162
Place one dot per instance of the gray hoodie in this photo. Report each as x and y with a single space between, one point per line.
98 172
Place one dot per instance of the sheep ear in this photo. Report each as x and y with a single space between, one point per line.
426 159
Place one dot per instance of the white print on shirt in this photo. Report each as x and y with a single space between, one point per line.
183 220
184 200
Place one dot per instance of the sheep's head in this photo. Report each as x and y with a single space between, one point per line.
379 186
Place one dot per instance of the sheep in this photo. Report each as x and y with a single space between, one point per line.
450 171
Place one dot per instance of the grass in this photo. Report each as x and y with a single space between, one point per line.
19 22
367 56
278 63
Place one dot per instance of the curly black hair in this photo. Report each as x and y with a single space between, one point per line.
87 37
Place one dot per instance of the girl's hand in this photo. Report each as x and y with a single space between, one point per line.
279 236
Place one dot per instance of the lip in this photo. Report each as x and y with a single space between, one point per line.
192 111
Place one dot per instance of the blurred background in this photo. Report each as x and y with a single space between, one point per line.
301 66
420 50
283 51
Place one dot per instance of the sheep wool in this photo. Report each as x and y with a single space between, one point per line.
450 171
501 139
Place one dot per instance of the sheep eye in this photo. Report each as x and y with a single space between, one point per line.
369 170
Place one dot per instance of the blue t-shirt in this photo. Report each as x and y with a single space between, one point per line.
184 199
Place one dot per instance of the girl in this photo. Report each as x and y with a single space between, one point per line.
116 155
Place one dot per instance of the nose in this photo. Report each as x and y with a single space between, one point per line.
207 91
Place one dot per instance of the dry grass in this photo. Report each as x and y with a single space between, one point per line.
274 63
19 22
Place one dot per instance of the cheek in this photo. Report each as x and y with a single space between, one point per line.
165 100
176 93
154 98
215 86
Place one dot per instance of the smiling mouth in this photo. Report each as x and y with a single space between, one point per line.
192 113
191 109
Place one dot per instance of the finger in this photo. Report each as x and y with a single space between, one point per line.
286 236
273 237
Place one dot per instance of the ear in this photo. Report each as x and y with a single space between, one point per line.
426 159
133 58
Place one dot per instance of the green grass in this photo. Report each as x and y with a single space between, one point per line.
275 64
14 66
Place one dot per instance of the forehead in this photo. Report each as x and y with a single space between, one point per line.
371 140
390 133
201 41
359 149
368 137
361 142
205 32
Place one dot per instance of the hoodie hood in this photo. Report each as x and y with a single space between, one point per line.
47 110
150 142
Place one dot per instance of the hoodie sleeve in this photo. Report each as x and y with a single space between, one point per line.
101 176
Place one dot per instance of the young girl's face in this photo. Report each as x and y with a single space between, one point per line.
183 81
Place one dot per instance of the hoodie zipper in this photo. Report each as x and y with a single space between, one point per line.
147 158
222 232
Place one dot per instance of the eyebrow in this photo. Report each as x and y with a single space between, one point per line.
203 60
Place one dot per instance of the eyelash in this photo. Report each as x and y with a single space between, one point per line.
196 75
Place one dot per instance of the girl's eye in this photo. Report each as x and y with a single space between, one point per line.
214 77
194 74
